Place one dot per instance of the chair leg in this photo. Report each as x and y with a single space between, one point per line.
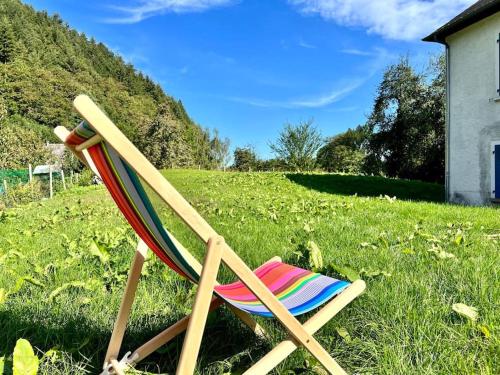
323 316
130 359
179 327
196 325
126 304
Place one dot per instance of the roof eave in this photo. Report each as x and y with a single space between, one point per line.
436 38
440 35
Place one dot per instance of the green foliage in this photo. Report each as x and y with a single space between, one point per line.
273 165
220 151
20 147
407 123
297 145
23 193
3 109
86 177
315 257
340 159
245 159
49 64
69 162
344 152
7 42
25 361
165 145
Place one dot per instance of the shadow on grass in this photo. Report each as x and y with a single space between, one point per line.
369 186
227 345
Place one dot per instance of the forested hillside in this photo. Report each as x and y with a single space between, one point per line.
44 64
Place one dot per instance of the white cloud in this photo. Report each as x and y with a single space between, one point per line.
304 44
328 98
357 52
149 8
380 59
392 19
317 101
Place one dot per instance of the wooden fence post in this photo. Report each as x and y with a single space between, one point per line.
30 170
5 186
71 177
50 182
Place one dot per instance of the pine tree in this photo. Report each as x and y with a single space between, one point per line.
7 42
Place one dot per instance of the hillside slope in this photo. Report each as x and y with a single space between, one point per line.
44 64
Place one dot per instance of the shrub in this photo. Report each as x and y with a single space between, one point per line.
86 177
20 146
23 193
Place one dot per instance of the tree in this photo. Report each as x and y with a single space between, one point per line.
166 146
407 123
340 159
344 152
297 145
220 150
20 147
3 109
271 165
245 159
7 42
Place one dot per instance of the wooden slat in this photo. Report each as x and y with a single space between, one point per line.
196 325
62 133
89 143
127 301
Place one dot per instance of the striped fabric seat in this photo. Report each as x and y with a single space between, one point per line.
298 289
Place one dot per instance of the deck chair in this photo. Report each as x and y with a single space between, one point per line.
275 289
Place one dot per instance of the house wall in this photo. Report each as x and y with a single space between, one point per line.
474 110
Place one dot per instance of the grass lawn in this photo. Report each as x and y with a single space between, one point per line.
63 266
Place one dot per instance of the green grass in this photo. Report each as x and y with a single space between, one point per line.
402 324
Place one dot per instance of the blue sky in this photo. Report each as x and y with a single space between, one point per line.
247 66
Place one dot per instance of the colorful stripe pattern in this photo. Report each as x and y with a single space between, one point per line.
298 289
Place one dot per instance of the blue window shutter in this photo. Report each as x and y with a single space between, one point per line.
497 171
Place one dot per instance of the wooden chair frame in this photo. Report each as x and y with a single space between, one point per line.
217 251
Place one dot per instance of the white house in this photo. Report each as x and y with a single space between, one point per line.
472 41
